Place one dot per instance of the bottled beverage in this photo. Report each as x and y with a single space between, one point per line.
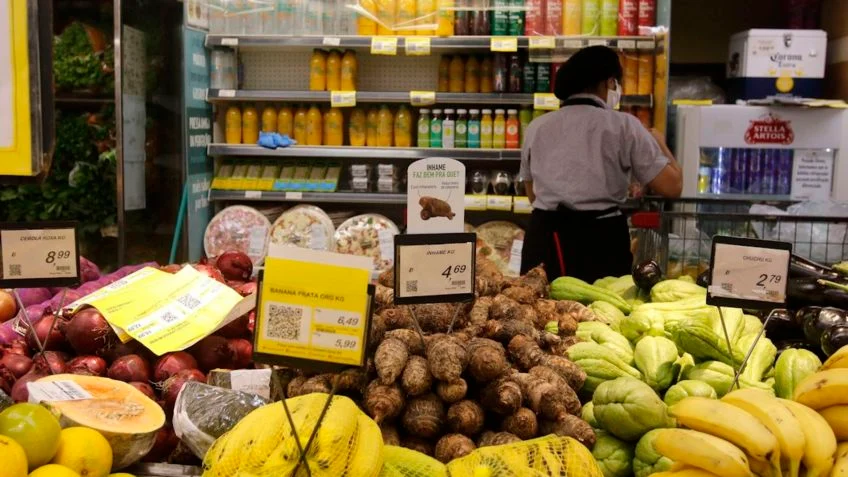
300 125
768 185
426 9
318 71
349 71
472 75
645 74
525 116
515 71
486 127
314 17
609 17
436 129
357 127
333 127
456 78
461 128
232 125
553 18
543 77
269 119
249 125
314 126
403 127
534 18
630 80
486 75
372 126
385 127
449 130
217 20
285 121
444 74
591 17
513 128
386 10
423 128
405 17
285 17
704 176
628 17
784 171
334 70
500 73
528 77
500 17
233 18
444 25
754 177
647 13
480 18
499 130
364 25
515 18
461 18
473 141
572 17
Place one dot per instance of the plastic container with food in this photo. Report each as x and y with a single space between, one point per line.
501 242
369 235
304 226
238 228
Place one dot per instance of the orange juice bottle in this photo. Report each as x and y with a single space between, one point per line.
314 120
499 130
232 125
269 119
386 10
426 14
444 74
249 125
364 25
357 127
456 75
318 71
349 72
333 127
300 125
487 83
472 75
405 17
334 70
444 22
285 121
371 127
513 126
385 127
403 127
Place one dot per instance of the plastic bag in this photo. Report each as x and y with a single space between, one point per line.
403 462
818 241
551 455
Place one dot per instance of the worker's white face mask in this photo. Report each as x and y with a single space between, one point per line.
614 96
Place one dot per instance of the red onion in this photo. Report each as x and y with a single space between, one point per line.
51 362
121 349
243 350
234 329
18 346
87 365
248 288
172 386
131 367
20 393
7 380
235 265
213 352
16 363
171 364
235 284
165 443
8 333
42 327
89 333
210 272
88 270
145 389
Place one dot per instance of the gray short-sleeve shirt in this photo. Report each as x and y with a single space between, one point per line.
582 156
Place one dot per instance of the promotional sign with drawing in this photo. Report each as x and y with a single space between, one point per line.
436 196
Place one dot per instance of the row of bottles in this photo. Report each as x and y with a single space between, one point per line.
461 128
333 70
282 17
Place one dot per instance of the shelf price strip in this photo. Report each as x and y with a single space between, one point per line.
542 43
384 45
343 99
417 46
422 98
545 102
504 44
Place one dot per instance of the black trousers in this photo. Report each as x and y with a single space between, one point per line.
577 244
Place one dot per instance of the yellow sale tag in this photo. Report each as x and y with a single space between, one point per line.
521 205
417 46
384 45
499 202
343 99
545 101
542 42
475 202
422 98
505 44
314 306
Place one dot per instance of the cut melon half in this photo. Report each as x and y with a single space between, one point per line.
128 419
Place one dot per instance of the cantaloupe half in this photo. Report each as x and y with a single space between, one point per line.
128 419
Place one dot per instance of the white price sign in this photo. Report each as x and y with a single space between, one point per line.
748 273
434 268
39 255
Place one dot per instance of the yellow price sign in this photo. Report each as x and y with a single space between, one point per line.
475 202
521 205
422 98
342 99
504 44
417 46
545 101
499 202
384 45
313 308
542 42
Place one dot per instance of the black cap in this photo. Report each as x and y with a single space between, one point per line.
585 69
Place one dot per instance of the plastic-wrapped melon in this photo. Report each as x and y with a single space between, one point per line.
128 419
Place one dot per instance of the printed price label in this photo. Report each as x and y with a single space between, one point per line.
598 42
504 44
343 99
499 202
747 272
417 46
227 93
422 98
475 202
384 45
229 41
545 101
514 265
253 194
294 195
332 41
39 255
434 268
542 42
521 205
572 44
645 45
626 44
56 391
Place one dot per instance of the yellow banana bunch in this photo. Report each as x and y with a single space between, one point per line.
823 389
839 359
840 466
703 451
819 440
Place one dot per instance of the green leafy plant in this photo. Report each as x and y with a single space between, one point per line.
76 65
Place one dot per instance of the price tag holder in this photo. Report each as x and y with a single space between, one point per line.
572 44
522 205
39 254
417 46
422 98
541 43
748 273
331 41
598 42
499 202
384 45
253 194
475 202
626 44
645 45
229 42
545 101
313 310
504 44
431 268
227 93
343 99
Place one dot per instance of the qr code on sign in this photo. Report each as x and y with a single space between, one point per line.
189 301
412 286
284 321
169 317
14 270
728 287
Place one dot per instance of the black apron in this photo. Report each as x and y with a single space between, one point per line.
587 244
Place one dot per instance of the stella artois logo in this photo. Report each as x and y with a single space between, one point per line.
769 129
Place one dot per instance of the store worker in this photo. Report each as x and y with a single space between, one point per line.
577 163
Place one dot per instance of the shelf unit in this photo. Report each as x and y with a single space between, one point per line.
310 197
350 152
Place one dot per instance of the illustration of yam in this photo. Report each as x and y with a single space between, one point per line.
433 207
